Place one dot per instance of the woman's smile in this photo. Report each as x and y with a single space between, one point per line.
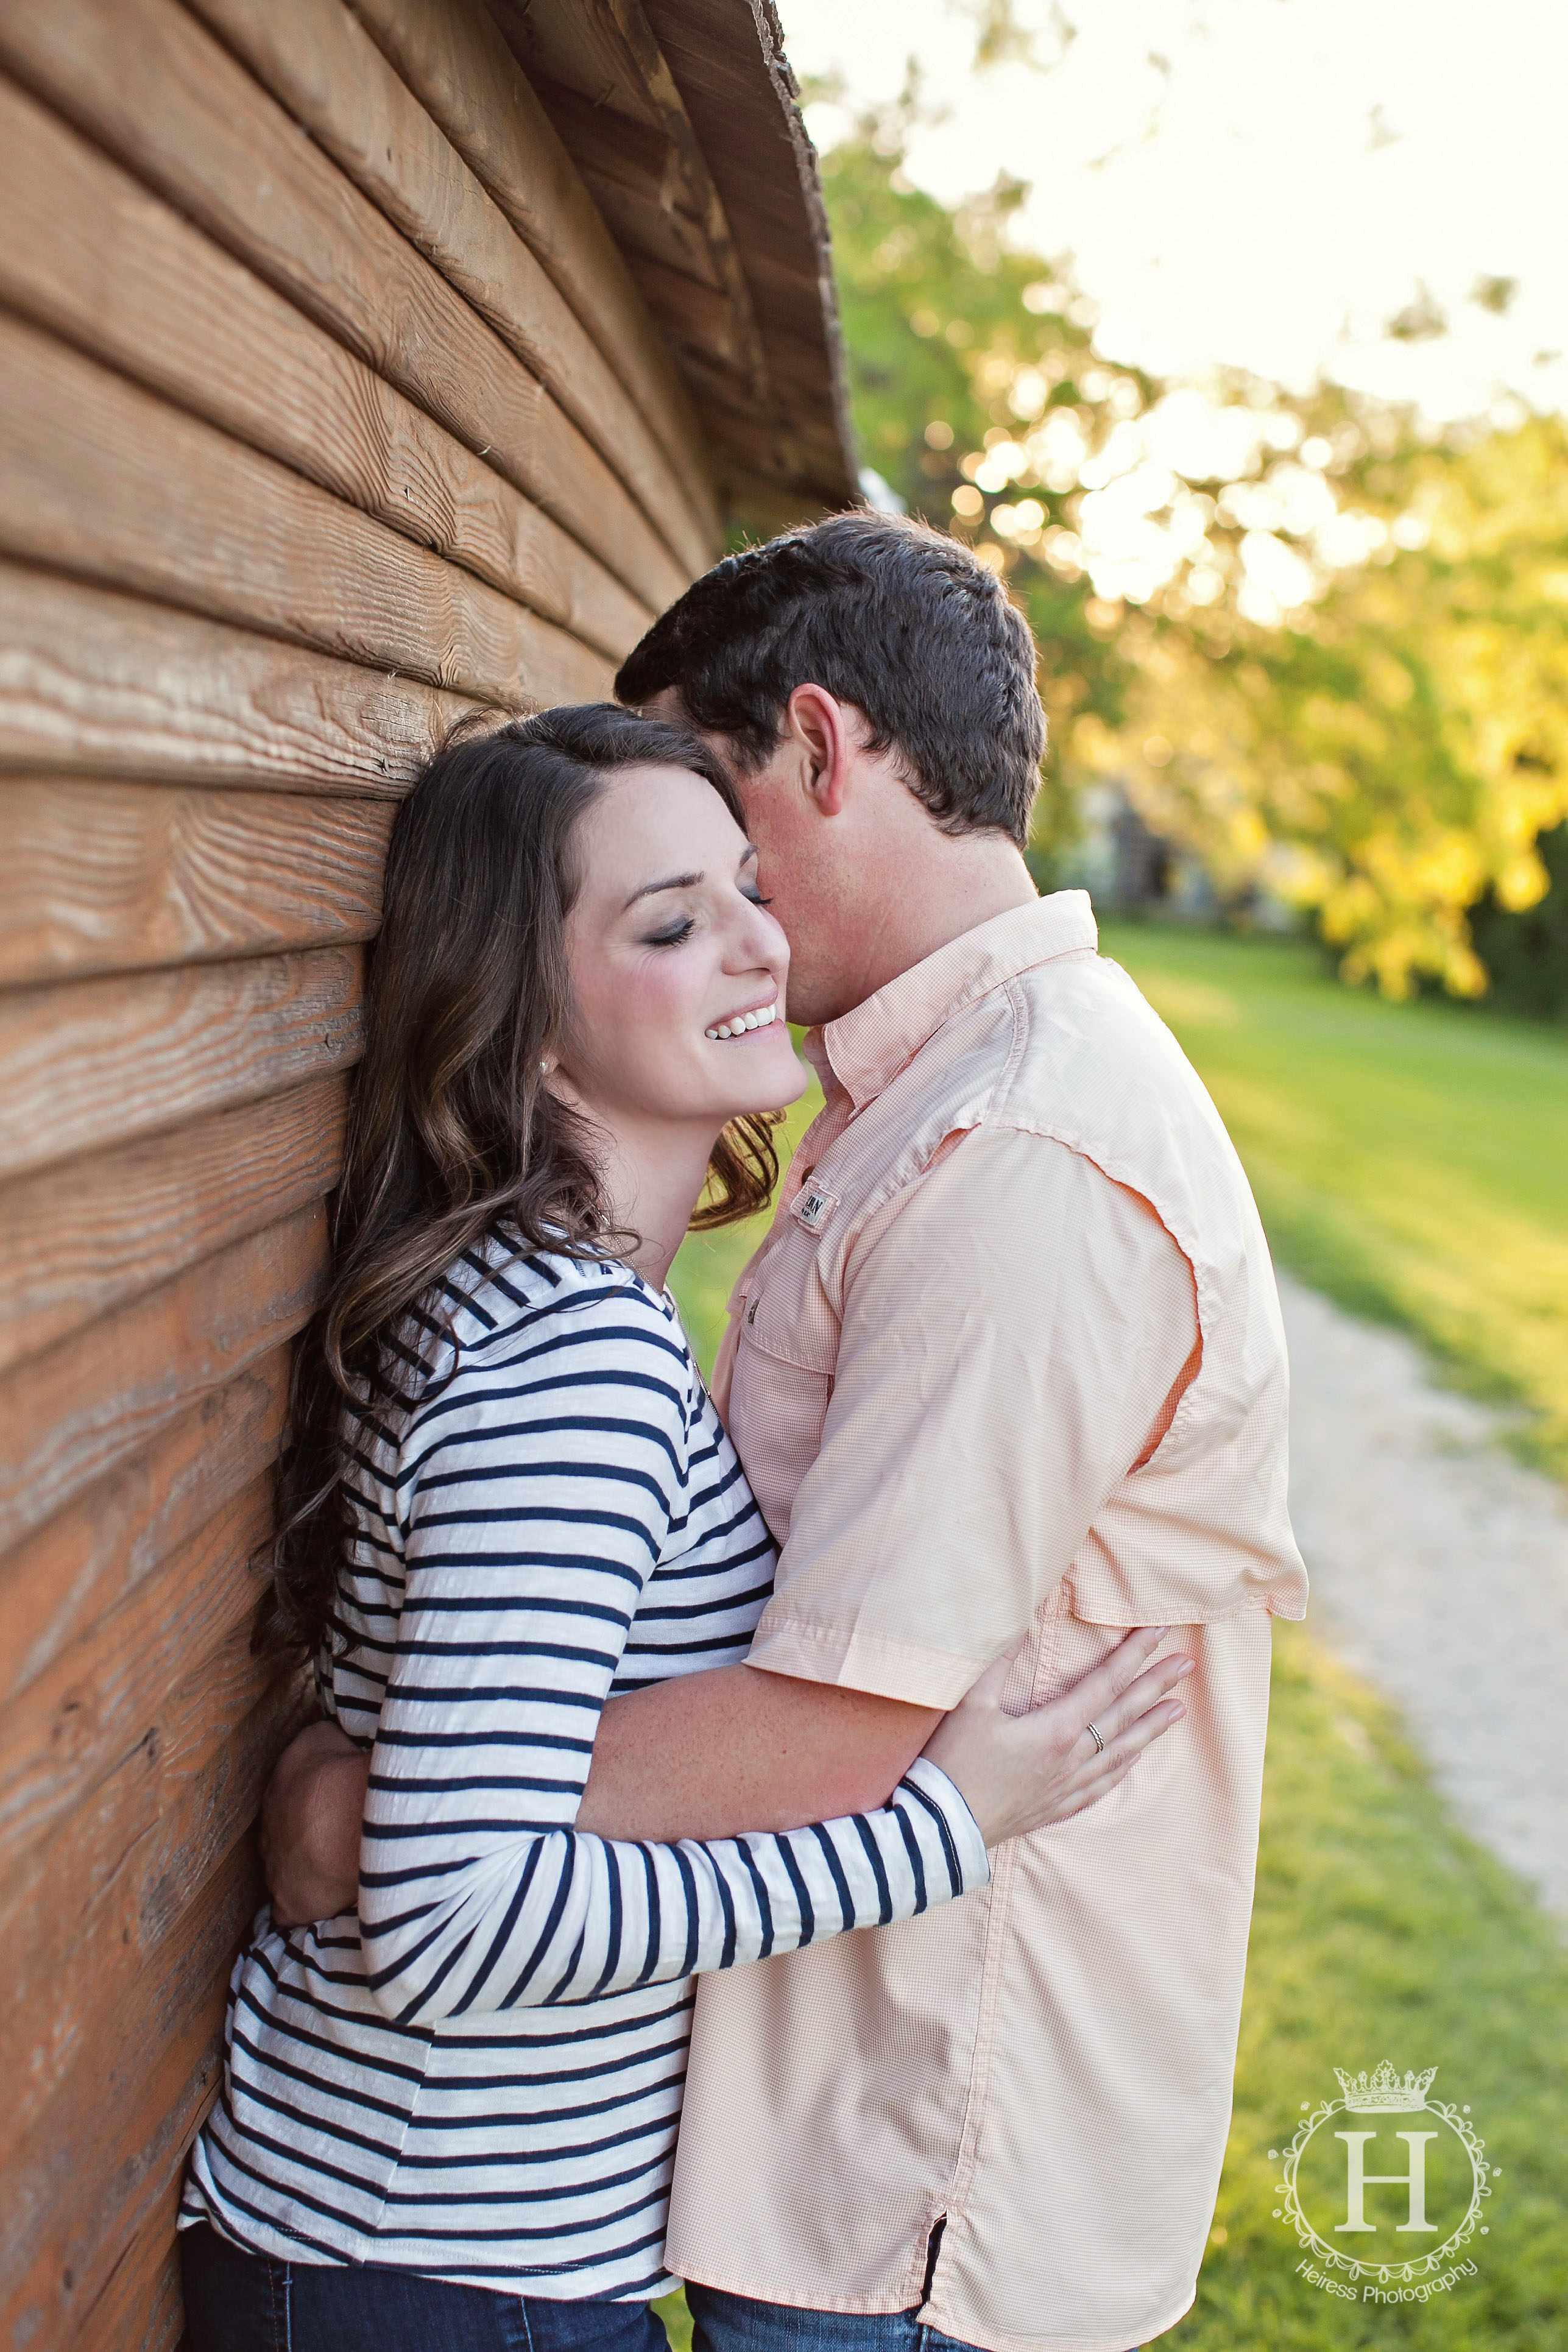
740 1024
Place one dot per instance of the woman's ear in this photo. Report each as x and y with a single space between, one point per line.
819 724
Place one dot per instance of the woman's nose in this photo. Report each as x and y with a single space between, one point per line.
760 941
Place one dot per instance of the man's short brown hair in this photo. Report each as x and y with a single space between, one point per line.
892 616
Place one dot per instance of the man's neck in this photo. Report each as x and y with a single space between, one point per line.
934 901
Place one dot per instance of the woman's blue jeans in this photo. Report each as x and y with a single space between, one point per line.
236 2302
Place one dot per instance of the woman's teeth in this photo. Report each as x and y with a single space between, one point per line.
744 1020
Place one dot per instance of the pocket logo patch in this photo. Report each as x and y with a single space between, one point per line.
814 1208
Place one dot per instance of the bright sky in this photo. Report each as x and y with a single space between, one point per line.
1281 184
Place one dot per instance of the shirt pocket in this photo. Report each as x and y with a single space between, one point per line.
785 1356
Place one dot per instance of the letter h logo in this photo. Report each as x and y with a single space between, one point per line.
1357 2179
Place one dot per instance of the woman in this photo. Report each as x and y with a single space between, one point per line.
451 2120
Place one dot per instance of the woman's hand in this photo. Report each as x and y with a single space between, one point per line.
1022 1772
309 1826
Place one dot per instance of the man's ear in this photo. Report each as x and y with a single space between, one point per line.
819 724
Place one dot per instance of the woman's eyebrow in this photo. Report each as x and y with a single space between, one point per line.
675 882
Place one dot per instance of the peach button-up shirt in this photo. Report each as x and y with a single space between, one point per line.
1009 1358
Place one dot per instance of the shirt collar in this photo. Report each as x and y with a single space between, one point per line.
866 1048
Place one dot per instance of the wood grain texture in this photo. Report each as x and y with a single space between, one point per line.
97 2167
118 1531
152 85
78 1241
644 48
447 50
95 683
91 255
580 48
72 1415
741 101
141 2308
85 1912
608 83
116 878
100 1061
100 1701
106 481
644 226
321 64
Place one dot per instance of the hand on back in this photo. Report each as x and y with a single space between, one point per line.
1023 1772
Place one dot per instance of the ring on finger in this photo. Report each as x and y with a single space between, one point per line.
1094 1734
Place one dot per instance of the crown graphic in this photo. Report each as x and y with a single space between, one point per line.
1376 2092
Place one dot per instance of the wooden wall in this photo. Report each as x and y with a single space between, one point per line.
327 410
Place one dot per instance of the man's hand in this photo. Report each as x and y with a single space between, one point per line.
311 1820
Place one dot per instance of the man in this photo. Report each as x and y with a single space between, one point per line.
1009 1363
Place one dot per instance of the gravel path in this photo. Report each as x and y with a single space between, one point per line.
1440 1573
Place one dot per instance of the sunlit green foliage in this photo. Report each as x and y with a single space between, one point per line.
1391 755
957 345
1323 650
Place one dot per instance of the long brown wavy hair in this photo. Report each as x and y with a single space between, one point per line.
455 1138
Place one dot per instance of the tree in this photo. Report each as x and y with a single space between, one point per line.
960 350
1326 654
1389 756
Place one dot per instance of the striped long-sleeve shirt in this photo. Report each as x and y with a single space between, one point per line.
481 2077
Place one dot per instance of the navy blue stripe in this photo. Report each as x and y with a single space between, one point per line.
560 1516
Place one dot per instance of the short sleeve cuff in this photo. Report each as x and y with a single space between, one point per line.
860 1661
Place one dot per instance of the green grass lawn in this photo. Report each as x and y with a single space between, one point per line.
1410 1161
1380 1931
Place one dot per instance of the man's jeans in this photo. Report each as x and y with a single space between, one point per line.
236 2302
734 2323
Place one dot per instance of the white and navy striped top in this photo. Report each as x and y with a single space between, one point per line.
480 2077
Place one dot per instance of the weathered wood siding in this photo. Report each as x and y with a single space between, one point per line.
328 409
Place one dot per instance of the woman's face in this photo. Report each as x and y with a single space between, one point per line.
678 969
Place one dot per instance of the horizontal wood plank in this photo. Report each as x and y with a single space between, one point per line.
88 1911
100 2165
70 1415
581 48
647 229
78 1241
99 1061
447 51
319 61
119 1530
147 82
700 321
95 683
108 481
102 1698
97 878
94 257
609 56
141 2308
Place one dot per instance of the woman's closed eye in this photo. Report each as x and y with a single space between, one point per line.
673 933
